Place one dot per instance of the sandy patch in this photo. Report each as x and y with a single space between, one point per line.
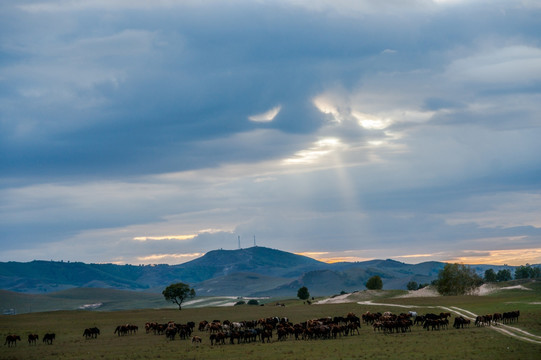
351 297
487 289
520 287
340 299
424 292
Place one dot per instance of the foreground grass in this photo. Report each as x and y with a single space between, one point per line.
472 343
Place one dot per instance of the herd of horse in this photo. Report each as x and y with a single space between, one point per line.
504 318
48 338
264 329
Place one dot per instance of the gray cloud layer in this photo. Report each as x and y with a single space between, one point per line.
396 128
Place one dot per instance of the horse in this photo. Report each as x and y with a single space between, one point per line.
32 339
218 338
12 340
170 333
196 340
266 334
121 330
480 321
445 315
48 338
91 333
496 317
460 322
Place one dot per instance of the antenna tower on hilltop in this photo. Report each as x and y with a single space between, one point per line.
239 240
254 241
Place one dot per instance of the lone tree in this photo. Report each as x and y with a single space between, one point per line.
303 293
374 283
412 285
457 279
177 293
490 275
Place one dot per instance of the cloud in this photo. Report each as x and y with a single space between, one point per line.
267 115
358 129
166 237
517 65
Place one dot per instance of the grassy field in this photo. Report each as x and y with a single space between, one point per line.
471 343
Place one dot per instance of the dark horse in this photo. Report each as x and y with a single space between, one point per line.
48 338
91 333
32 338
12 340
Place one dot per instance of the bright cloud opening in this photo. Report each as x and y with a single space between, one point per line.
316 152
325 106
166 237
370 122
266 116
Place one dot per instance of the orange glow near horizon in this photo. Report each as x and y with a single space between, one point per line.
332 260
168 257
513 257
501 257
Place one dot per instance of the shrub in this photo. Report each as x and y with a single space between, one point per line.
374 283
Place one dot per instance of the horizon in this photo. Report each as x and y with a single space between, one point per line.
136 132
301 254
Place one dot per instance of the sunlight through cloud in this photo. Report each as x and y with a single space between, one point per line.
166 237
370 122
266 116
325 106
316 152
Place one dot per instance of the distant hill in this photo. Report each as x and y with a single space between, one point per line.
79 299
255 271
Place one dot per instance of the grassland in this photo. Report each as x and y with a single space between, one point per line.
471 343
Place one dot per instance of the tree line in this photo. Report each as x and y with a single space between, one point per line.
459 279
453 279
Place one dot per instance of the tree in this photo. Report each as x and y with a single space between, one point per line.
374 283
504 275
536 272
177 293
412 285
303 293
527 272
490 275
253 302
457 279
523 272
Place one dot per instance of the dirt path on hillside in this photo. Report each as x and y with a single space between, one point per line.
501 328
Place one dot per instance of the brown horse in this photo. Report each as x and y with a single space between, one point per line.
12 340
32 339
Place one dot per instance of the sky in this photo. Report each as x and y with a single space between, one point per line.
137 132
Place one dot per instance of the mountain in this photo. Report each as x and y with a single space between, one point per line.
257 259
255 271
45 276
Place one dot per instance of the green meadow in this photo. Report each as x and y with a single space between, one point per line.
470 343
